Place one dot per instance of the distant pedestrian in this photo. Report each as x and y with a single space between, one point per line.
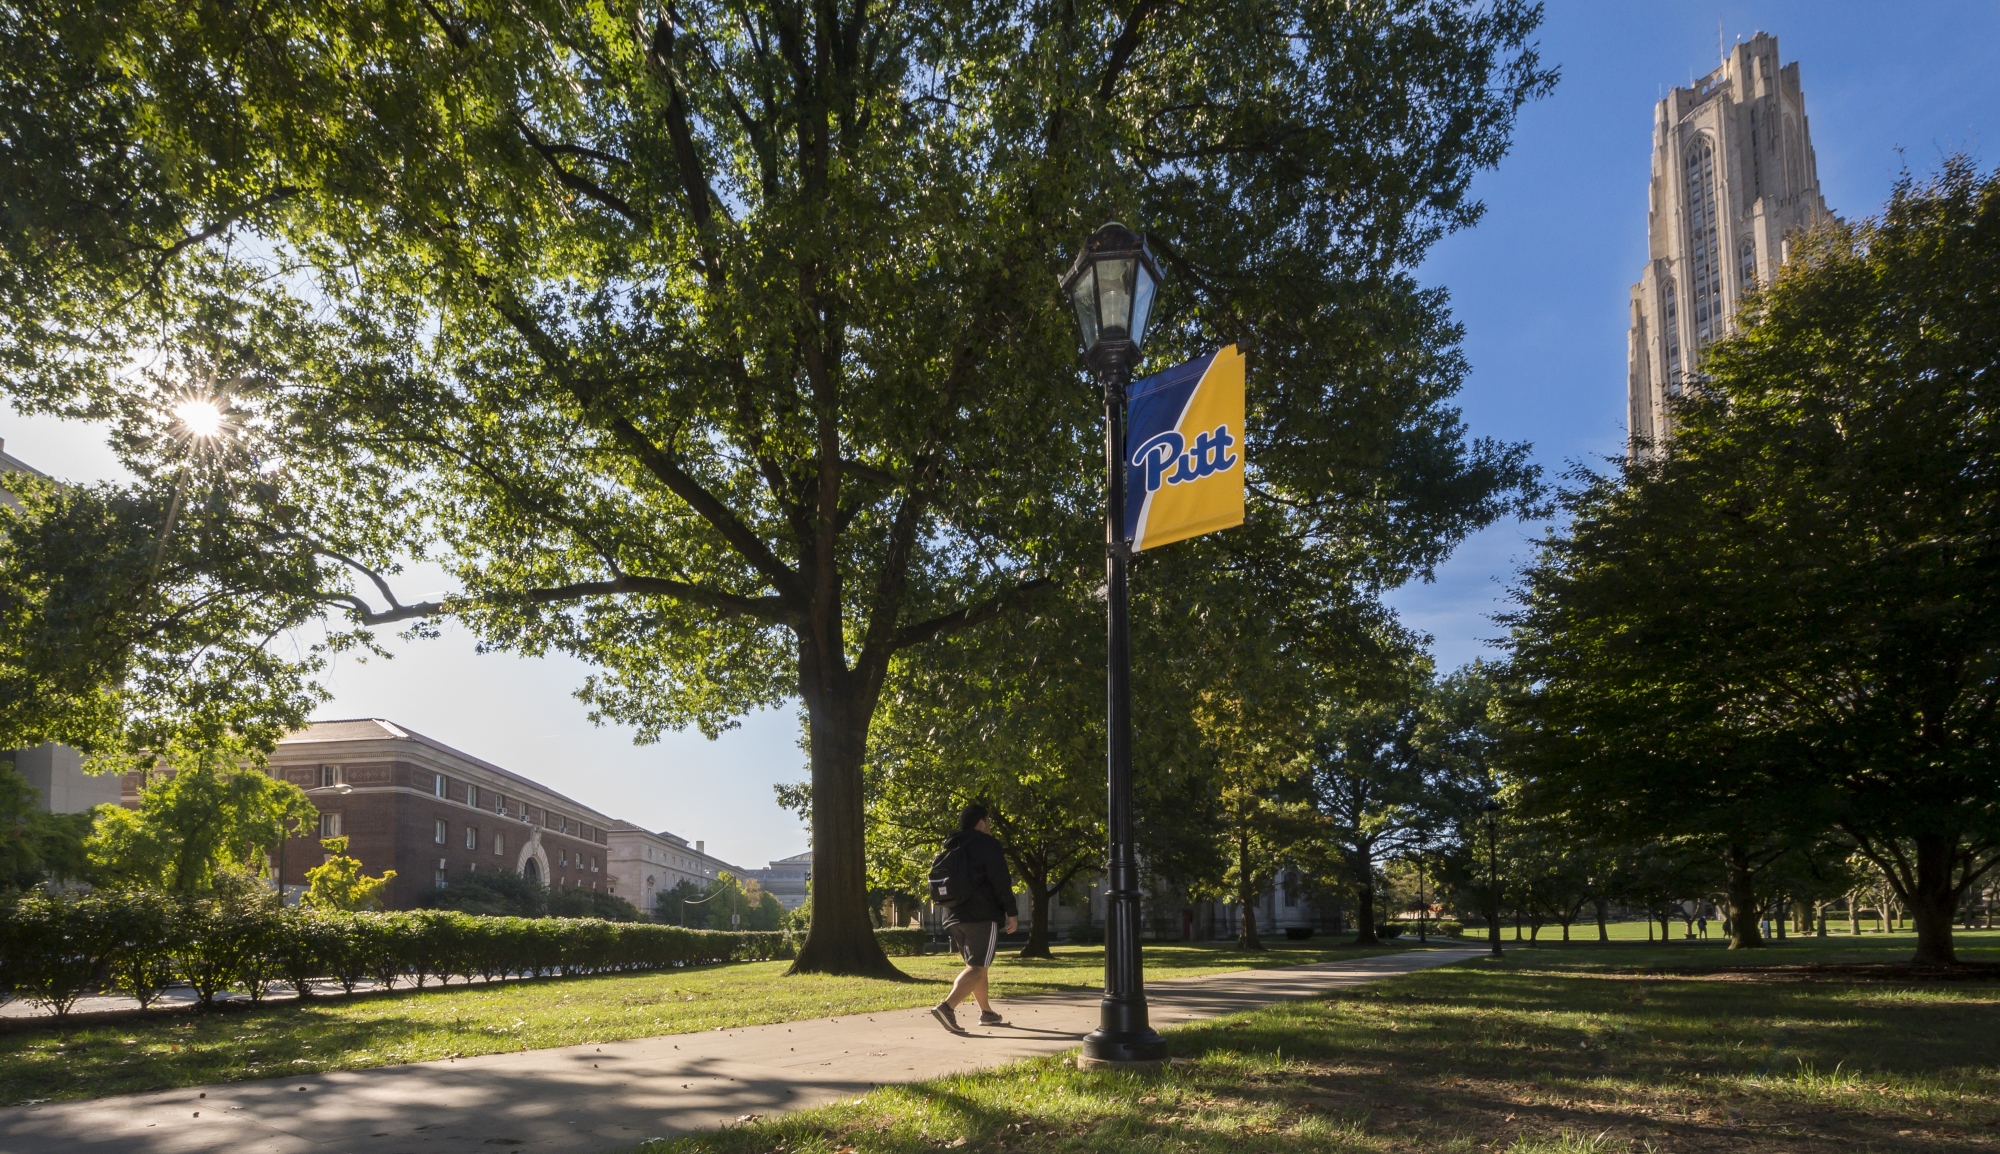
971 882
1702 923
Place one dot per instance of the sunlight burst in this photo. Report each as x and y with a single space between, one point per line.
200 417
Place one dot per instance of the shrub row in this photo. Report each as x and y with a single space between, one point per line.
55 949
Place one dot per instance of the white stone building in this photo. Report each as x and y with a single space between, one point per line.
645 864
1734 180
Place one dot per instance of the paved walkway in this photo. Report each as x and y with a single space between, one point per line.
586 1099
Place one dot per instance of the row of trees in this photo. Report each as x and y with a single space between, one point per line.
1780 630
1328 760
1757 663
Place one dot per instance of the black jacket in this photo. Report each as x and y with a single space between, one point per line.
992 897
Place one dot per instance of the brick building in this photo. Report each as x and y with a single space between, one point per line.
433 814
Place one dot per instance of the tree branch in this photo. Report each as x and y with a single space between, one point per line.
772 609
574 182
967 617
1123 47
658 462
694 182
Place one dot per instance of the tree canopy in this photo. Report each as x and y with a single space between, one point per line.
1786 618
718 344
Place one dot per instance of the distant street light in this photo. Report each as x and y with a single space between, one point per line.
1111 287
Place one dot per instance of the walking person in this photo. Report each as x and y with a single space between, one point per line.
970 881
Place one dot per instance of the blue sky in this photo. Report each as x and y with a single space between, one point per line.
1540 285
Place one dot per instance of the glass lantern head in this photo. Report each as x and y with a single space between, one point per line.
1111 286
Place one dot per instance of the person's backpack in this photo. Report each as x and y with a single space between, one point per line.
951 875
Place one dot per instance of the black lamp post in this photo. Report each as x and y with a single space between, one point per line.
1492 811
1111 286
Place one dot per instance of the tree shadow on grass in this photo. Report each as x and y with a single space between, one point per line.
1465 1058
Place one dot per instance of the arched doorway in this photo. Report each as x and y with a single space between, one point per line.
532 870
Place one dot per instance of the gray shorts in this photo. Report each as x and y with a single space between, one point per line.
976 942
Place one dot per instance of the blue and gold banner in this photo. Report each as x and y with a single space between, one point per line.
1184 451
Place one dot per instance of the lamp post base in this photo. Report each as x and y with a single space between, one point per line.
1153 1066
1122 1049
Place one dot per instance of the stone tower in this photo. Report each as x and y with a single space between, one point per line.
1733 181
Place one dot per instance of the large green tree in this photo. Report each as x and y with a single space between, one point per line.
717 343
1786 618
154 618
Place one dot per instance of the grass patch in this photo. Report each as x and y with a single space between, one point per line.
188 1049
1562 1050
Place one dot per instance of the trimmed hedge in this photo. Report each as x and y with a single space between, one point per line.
55 949
903 943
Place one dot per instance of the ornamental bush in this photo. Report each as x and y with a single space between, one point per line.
57 948
54 950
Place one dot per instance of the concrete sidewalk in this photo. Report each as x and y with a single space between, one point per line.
583 1099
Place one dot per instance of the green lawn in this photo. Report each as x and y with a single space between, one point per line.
1556 1048
187 1049
1586 931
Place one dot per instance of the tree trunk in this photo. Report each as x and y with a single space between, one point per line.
841 939
1364 899
1743 906
1603 916
1038 922
1246 896
1935 899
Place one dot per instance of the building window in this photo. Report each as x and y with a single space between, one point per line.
1704 255
437 784
329 775
562 857
471 837
593 863
1291 890
1746 268
499 844
1673 340
472 796
329 825
438 831
439 880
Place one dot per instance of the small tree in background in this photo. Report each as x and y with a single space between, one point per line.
195 825
338 883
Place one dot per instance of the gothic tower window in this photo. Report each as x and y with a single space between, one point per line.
1746 268
1704 256
1671 307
